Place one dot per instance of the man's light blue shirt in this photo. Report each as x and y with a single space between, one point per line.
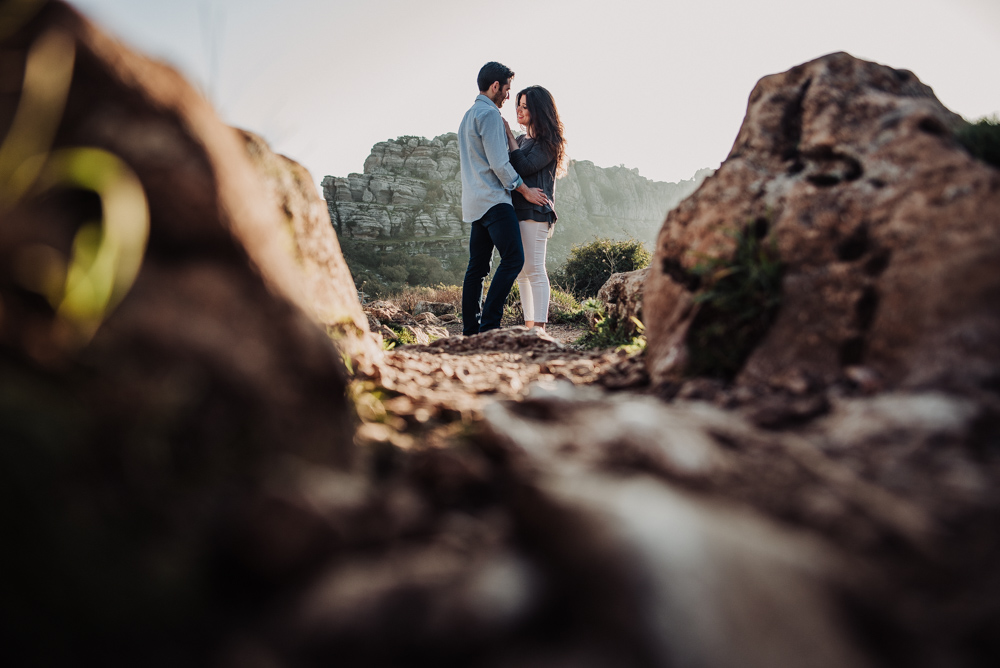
487 175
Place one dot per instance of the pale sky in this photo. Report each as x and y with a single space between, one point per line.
660 86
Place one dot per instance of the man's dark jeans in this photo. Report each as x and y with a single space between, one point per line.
498 228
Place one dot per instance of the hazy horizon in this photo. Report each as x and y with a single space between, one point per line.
656 86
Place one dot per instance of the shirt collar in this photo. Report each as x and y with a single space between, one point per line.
487 101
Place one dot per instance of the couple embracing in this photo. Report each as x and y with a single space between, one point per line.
508 192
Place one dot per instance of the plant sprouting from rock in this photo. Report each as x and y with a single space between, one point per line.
606 331
739 297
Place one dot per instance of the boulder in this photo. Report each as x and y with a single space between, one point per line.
154 365
428 318
386 311
437 308
622 295
325 277
885 227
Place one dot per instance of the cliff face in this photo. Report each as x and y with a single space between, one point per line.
613 202
410 198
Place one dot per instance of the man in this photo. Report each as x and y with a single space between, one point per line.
487 181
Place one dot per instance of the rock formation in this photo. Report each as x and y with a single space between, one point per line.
410 193
155 365
886 228
325 277
613 202
622 296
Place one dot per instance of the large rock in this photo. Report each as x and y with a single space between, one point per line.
409 192
138 428
622 296
887 228
327 281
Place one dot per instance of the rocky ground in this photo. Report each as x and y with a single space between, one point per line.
564 334
824 489
456 376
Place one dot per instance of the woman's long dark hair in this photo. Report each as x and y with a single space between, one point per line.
546 127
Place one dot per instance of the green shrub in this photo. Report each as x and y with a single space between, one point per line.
564 308
407 297
396 273
405 336
590 265
739 297
423 269
982 139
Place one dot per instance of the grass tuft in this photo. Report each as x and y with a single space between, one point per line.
609 332
739 297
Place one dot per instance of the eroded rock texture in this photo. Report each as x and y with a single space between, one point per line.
325 278
622 296
887 228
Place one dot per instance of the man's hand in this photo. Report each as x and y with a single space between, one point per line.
533 195
511 141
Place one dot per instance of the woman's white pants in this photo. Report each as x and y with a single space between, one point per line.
533 281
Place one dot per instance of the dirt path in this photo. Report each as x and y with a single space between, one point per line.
455 377
565 334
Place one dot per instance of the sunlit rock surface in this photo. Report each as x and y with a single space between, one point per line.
888 229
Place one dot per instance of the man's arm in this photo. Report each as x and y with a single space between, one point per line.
495 144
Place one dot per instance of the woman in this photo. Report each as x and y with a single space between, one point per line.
537 156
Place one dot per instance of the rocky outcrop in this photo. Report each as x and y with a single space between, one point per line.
887 230
156 366
389 322
325 277
614 202
410 196
622 297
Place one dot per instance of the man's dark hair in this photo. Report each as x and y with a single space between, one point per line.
493 71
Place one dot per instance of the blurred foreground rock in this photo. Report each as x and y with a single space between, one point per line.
326 280
130 453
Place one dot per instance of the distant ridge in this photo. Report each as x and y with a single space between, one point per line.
409 198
